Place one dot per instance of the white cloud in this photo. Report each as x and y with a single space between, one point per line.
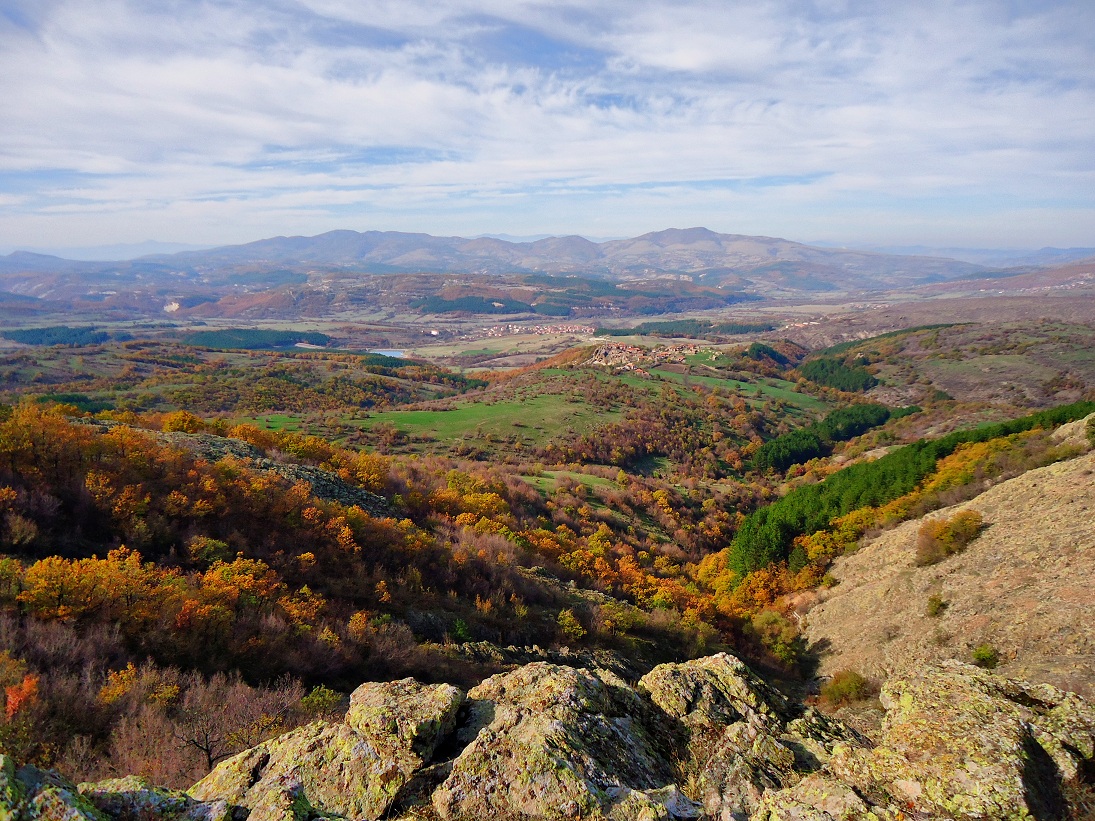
225 121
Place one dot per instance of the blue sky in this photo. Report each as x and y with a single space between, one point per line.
217 121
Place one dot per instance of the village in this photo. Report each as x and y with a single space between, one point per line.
631 358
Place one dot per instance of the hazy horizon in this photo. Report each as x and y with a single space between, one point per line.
130 251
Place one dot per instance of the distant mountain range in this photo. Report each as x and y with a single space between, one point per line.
287 275
992 257
115 252
762 264
703 255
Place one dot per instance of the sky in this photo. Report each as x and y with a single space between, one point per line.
962 123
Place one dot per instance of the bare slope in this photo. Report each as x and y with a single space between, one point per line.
1026 586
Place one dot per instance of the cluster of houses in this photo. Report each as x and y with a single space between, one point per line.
631 358
536 330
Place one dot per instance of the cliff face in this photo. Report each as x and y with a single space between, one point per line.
704 739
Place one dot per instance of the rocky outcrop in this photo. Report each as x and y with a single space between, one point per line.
405 718
958 742
743 737
353 769
135 799
705 739
556 742
30 794
511 657
325 485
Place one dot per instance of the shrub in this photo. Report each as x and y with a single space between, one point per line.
571 627
460 631
939 538
321 702
778 635
985 655
845 687
935 607
183 422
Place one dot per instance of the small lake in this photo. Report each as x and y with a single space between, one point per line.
389 352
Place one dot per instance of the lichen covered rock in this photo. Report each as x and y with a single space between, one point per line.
11 789
703 739
959 742
354 769
136 799
743 738
47 796
405 716
315 770
555 742
818 797
712 692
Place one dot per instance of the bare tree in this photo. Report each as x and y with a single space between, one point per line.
223 715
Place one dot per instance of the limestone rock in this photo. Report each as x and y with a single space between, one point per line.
404 716
555 742
959 742
135 799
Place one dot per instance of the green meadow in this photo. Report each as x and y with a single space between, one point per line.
536 419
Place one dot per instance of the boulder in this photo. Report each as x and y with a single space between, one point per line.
47 796
404 716
554 742
712 692
743 738
354 769
959 742
317 769
136 799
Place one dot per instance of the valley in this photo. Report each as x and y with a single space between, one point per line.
306 480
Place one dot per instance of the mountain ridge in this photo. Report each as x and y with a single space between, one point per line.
695 252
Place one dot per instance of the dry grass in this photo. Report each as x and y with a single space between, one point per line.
1023 587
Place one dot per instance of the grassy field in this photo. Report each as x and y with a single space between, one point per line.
548 480
536 420
770 388
276 421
